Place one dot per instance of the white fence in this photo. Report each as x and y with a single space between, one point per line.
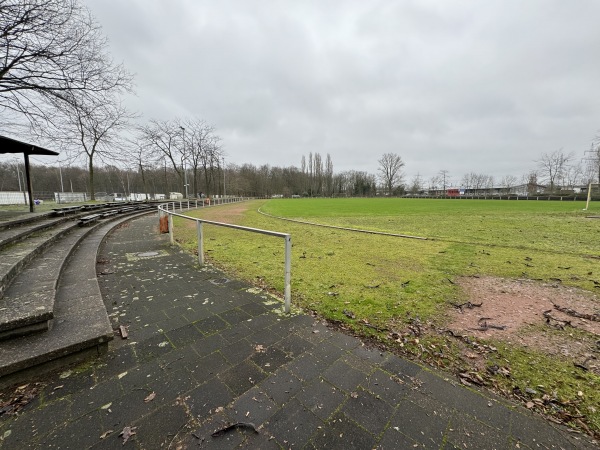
14 198
70 197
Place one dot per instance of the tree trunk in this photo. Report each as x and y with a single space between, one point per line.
91 173
144 181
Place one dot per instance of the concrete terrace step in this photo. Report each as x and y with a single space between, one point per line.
11 219
15 257
28 303
80 327
20 231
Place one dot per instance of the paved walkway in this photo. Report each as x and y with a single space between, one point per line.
204 352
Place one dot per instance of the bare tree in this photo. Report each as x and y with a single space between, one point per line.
572 176
51 52
328 175
164 138
468 180
553 165
202 150
507 182
416 185
304 173
531 180
137 152
593 162
88 128
318 174
310 174
434 183
390 166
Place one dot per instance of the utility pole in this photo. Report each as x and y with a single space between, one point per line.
594 159
443 173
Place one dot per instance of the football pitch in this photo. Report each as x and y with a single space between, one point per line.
538 240
402 292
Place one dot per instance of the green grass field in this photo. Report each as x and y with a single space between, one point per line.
368 282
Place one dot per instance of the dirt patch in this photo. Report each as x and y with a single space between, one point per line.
532 314
229 214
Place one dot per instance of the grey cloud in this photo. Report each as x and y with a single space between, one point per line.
464 86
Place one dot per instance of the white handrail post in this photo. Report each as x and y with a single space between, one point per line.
287 292
200 243
171 237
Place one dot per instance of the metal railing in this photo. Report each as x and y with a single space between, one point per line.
170 208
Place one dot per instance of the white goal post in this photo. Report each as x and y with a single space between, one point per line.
589 193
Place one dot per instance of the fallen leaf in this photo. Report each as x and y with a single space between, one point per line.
353 395
127 433
106 433
150 397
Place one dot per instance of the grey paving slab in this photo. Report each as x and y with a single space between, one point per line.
321 397
202 356
281 386
342 433
369 411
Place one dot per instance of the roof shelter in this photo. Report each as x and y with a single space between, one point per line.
8 145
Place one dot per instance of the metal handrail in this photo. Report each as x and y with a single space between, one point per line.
164 209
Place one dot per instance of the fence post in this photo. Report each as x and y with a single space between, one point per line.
288 273
171 237
200 243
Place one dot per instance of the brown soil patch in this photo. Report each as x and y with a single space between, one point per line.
518 307
227 214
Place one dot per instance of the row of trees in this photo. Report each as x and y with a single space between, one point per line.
242 180
159 173
554 171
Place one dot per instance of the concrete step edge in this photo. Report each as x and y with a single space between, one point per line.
80 322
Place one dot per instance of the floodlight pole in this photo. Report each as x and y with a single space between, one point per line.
184 164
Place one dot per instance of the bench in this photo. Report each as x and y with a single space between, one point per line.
89 219
127 209
109 213
92 207
66 210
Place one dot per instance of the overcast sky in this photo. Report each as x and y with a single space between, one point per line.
482 86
